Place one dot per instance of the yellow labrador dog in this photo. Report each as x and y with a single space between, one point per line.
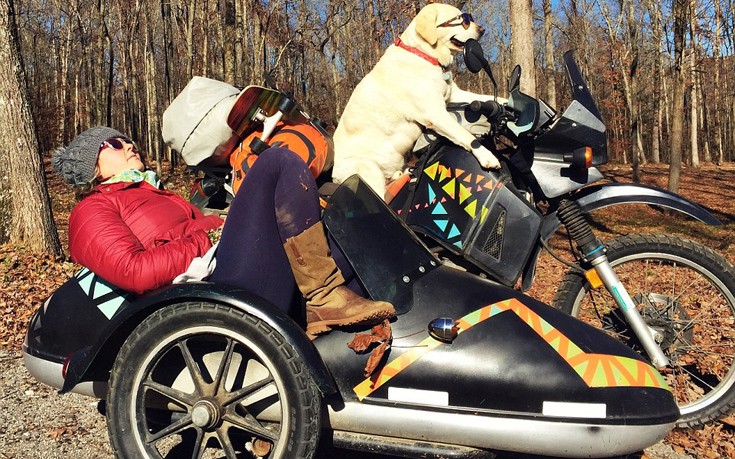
406 91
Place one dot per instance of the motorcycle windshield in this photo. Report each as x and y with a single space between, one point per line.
579 126
386 255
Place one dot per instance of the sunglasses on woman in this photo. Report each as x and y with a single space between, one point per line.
466 19
116 143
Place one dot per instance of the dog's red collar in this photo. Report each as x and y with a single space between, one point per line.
417 52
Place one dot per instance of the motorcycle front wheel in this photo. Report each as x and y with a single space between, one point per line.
686 292
200 380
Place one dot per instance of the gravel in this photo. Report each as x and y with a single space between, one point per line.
38 423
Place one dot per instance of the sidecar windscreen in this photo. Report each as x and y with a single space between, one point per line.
386 256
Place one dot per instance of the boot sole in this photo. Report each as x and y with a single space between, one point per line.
375 317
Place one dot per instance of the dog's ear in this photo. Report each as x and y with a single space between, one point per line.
426 25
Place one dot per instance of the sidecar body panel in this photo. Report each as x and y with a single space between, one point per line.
520 376
84 323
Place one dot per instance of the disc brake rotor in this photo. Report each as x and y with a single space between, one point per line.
670 319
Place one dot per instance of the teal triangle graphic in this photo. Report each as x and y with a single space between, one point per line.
101 288
109 308
442 224
86 284
458 244
439 210
454 232
432 195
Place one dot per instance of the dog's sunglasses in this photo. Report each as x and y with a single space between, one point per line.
466 19
116 143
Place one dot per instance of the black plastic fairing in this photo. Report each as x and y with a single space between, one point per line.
386 256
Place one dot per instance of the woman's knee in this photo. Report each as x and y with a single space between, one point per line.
282 158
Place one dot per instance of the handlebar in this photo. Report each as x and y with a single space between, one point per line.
490 108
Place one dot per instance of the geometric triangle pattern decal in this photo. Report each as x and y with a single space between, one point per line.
107 297
464 191
596 370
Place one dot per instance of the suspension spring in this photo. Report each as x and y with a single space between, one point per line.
571 216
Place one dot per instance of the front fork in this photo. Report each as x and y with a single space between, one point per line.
593 252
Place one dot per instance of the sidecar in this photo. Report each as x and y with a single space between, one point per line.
472 367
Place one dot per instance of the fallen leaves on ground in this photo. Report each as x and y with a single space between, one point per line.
29 278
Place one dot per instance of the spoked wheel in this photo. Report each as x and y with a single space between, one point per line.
198 380
684 291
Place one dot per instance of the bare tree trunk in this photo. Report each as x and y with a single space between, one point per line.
62 83
521 24
151 91
191 12
32 217
658 89
239 69
677 123
716 91
634 109
549 42
694 108
230 32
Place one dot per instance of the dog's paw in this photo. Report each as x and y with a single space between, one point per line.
486 159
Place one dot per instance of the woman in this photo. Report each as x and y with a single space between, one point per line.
139 237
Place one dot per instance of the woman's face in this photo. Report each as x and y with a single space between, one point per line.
117 155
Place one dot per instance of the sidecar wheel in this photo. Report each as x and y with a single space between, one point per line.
201 380
686 292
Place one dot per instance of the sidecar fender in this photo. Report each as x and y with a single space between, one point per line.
98 358
599 196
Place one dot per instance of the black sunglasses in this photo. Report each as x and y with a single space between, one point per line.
116 143
466 19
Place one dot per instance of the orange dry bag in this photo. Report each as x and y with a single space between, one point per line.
307 140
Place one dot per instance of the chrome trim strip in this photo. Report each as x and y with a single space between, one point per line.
549 437
49 373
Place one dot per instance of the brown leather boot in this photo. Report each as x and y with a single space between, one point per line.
328 302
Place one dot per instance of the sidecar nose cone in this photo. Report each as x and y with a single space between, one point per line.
444 329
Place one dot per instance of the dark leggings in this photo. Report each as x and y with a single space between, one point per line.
278 199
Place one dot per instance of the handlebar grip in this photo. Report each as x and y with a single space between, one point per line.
489 108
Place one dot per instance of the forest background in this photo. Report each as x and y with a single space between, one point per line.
660 69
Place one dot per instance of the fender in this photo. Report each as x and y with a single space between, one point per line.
596 197
599 196
95 357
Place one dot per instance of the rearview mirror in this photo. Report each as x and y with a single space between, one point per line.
475 60
515 78
474 56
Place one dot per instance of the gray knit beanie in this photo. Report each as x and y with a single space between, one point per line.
76 162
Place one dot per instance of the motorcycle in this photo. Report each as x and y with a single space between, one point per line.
470 367
669 298
680 315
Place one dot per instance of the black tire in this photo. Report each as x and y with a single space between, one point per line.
195 379
687 292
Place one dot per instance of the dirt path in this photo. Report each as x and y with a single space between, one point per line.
37 423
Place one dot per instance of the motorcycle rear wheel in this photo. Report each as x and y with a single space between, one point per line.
200 380
685 291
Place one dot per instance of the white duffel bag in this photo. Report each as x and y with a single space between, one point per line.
195 123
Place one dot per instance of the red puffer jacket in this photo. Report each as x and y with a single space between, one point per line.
137 236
